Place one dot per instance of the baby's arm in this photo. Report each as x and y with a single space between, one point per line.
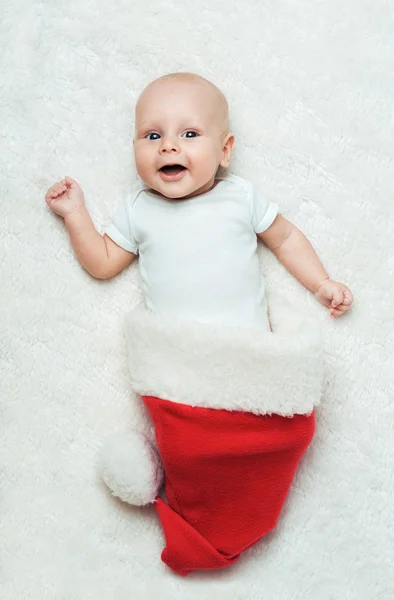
98 254
296 253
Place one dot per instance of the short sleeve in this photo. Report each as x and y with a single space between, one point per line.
264 212
120 229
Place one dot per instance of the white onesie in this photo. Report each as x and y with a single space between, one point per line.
198 257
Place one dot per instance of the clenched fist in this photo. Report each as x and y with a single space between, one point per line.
336 296
65 197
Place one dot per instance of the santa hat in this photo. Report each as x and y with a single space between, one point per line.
232 409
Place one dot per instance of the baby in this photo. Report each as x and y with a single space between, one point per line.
181 139
218 384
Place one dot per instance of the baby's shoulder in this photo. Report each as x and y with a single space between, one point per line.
241 183
135 194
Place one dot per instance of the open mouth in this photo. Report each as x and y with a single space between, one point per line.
172 172
172 169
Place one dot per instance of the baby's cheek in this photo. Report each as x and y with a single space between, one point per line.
143 161
204 158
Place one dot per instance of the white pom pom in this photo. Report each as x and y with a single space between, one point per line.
131 468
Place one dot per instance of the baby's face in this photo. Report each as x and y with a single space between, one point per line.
179 138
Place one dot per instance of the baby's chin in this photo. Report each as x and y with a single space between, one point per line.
174 189
184 194
185 187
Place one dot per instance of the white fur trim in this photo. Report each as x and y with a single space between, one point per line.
131 468
225 367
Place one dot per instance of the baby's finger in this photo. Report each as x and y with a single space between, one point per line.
69 181
339 310
343 308
49 200
348 296
54 192
337 298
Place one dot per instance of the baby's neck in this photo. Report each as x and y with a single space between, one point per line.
203 190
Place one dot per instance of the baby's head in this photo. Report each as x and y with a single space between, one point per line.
181 120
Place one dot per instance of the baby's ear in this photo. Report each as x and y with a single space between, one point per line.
228 145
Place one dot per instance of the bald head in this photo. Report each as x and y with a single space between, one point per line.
181 126
207 93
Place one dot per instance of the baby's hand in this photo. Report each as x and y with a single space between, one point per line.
336 296
64 197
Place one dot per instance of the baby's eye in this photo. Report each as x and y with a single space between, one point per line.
193 134
152 138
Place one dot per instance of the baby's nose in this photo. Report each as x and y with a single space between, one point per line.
169 145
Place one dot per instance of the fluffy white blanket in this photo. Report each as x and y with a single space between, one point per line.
309 84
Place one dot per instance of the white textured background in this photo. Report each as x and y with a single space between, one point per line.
311 90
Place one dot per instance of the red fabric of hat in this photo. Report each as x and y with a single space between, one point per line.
227 476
